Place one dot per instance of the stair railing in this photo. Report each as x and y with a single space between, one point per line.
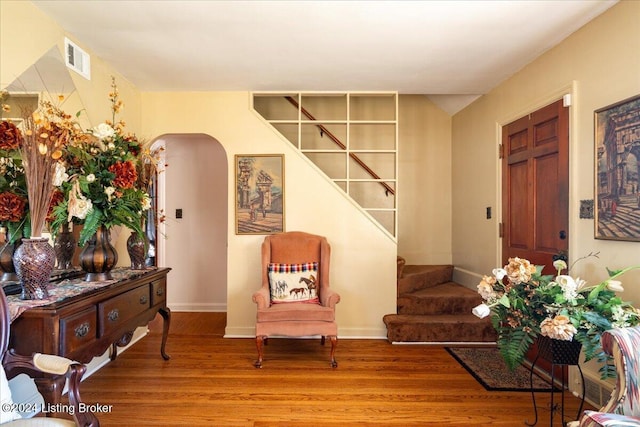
332 137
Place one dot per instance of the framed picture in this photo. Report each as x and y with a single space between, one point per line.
259 193
617 196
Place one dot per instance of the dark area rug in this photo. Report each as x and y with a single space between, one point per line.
488 368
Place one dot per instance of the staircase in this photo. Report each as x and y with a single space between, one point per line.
432 308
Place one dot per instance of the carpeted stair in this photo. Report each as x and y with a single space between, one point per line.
432 308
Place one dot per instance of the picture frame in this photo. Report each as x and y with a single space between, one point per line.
617 166
259 200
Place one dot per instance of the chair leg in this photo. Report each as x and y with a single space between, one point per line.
334 343
260 346
322 340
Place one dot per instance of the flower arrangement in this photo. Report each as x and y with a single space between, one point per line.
524 303
13 184
98 184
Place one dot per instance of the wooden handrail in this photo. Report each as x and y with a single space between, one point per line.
340 144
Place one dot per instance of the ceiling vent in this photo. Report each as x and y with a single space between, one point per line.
77 59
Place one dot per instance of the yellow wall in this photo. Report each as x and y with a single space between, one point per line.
599 65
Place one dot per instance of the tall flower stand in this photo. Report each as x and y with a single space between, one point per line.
559 353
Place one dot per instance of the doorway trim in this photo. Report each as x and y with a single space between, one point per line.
553 96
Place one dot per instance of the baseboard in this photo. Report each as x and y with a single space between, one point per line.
449 343
466 278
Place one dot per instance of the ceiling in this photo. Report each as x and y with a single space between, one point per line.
451 51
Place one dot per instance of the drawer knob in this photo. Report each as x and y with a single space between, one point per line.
113 315
160 292
143 299
82 330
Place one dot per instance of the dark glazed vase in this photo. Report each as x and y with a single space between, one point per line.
6 259
34 261
98 257
137 248
64 245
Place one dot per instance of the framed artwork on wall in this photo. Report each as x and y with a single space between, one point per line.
259 193
617 196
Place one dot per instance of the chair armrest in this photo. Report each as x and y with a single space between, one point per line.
262 298
58 369
605 419
329 298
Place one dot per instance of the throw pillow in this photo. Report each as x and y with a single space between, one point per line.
293 282
7 411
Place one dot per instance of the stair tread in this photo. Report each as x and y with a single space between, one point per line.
446 289
433 318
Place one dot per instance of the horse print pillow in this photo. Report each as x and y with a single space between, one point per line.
293 283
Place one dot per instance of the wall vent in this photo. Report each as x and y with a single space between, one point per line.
77 59
595 393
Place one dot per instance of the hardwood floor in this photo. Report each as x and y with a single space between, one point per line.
211 381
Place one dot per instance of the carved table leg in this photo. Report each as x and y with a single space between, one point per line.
165 312
51 388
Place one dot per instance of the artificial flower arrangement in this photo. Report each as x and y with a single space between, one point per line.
98 184
524 303
14 210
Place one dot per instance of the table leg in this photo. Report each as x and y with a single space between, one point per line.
165 312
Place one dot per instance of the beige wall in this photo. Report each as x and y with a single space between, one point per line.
599 65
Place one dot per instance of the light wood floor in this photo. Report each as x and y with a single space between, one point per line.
211 381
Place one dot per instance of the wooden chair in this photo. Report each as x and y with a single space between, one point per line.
299 302
49 372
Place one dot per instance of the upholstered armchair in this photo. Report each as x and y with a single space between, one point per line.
50 373
623 408
295 299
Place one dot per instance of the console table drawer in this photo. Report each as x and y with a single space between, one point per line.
120 309
158 291
77 330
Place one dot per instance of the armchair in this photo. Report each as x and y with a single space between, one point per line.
623 408
299 302
50 373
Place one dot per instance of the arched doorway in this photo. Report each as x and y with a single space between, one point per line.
192 239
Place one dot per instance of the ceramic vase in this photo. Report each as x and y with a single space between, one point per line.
6 259
64 246
137 246
98 257
34 261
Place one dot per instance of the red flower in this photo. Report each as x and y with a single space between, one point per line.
126 174
12 207
10 136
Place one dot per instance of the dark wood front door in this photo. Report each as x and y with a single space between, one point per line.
535 192
535 195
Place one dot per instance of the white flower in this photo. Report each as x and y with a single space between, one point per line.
559 328
60 175
146 202
109 192
559 265
499 273
615 286
91 177
111 146
481 311
81 208
568 285
103 131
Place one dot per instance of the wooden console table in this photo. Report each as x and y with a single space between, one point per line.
85 318
82 320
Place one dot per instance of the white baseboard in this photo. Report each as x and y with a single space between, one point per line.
198 307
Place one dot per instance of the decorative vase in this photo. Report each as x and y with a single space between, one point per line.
6 259
137 248
559 352
34 261
98 257
64 245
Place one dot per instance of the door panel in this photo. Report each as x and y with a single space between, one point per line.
535 185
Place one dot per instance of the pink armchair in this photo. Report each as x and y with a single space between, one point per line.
295 318
623 408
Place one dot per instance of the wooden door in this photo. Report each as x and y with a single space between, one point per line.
535 188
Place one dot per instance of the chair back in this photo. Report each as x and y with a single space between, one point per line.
5 325
623 345
297 247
